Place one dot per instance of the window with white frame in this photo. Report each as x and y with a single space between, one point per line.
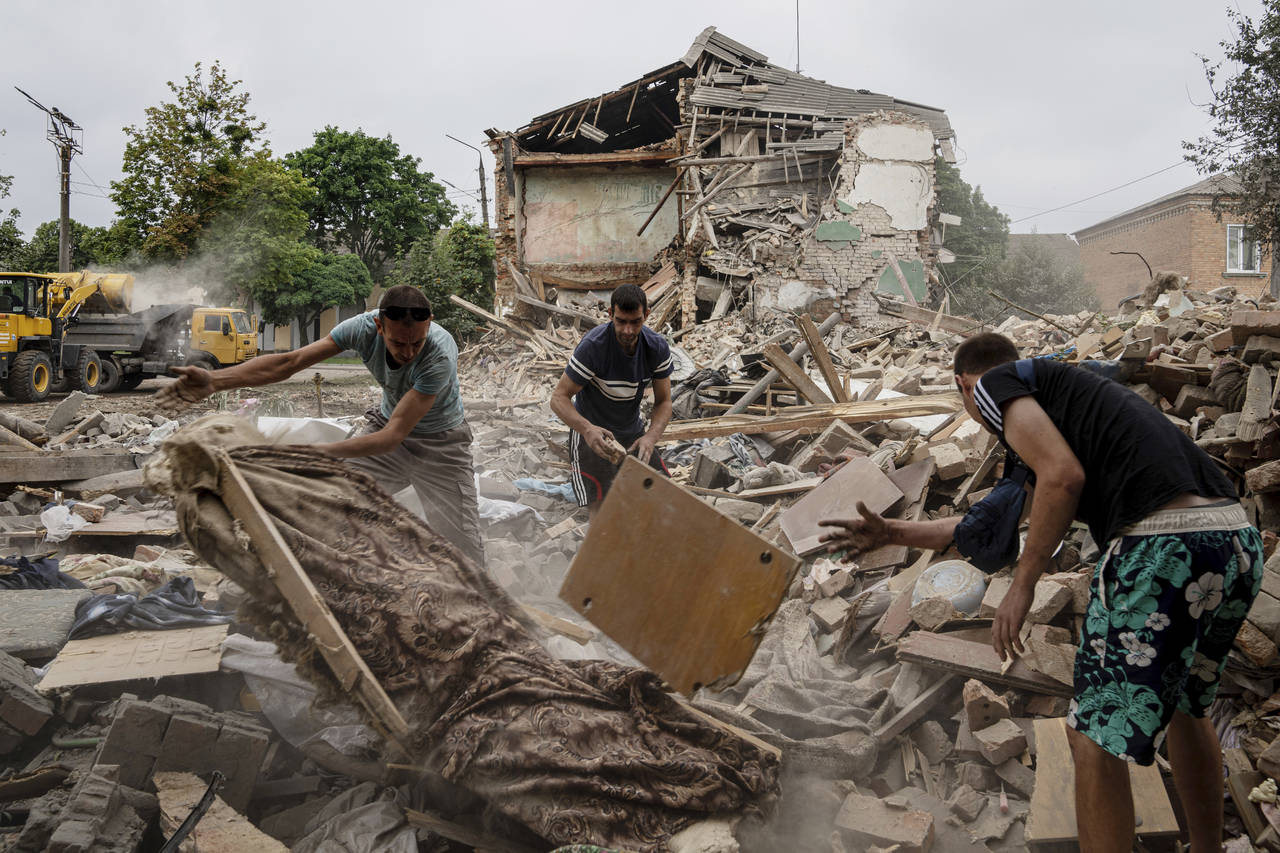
1242 250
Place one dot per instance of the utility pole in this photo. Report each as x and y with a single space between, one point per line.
65 135
484 197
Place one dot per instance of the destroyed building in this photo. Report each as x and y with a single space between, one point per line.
729 175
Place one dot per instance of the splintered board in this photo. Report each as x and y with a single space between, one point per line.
136 654
684 588
838 497
1051 825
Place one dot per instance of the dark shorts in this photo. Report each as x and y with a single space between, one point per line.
593 475
1164 612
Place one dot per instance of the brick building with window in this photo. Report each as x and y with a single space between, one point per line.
1178 232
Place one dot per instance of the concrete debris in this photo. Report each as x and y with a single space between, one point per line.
752 442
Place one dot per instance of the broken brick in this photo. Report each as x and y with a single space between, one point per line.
966 803
1001 741
869 821
982 707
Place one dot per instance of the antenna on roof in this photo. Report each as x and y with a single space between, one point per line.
65 135
797 36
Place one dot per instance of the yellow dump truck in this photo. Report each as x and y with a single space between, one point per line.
77 330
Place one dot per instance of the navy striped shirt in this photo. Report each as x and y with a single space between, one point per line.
613 382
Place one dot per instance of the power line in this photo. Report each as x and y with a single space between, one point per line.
1097 195
90 177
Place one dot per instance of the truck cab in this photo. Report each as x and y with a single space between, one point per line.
227 335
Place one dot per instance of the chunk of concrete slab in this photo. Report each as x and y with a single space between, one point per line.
34 623
65 413
983 706
867 821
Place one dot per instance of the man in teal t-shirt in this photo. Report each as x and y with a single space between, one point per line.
417 436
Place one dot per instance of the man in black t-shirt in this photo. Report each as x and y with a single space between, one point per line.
1180 569
599 395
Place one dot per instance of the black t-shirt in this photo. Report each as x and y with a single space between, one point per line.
1135 460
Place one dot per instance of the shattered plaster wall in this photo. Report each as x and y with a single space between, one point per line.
880 208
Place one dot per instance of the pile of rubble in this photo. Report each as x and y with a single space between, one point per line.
876 682
761 435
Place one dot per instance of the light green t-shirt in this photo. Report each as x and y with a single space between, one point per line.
433 371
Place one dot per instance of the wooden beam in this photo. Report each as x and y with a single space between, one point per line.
916 709
902 281
554 158
925 317
813 338
560 309
976 660
769 378
666 195
795 375
715 161
9 436
813 417
310 609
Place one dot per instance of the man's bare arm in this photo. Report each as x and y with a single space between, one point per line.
195 383
1059 482
411 409
661 408
597 438
871 531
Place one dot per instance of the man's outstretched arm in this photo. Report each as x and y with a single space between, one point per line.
411 409
195 383
658 421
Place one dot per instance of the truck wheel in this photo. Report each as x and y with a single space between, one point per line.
87 374
110 381
131 381
206 361
31 377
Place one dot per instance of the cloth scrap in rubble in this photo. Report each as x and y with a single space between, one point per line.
40 573
590 752
174 605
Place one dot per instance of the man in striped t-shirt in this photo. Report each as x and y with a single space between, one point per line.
599 395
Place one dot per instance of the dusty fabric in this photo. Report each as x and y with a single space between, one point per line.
438 466
585 753
796 691
174 605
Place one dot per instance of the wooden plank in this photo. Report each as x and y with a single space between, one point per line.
837 497
42 467
819 350
976 660
222 829
86 423
593 319
305 600
924 317
136 654
795 375
1053 804
906 287
695 615
805 485
522 283
9 436
1241 779
1257 405
813 417
916 709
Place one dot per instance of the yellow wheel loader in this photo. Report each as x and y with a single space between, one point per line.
77 330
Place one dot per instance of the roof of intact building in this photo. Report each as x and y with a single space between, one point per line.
1212 186
731 79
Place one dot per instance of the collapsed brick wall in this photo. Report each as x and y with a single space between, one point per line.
842 261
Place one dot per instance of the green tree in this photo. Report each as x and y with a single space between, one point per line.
332 281
370 199
88 242
181 163
255 247
11 242
978 242
1035 279
458 260
1244 105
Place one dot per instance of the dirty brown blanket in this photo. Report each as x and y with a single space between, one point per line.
586 752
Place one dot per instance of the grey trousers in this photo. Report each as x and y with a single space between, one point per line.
439 468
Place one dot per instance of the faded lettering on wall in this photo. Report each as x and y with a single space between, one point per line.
592 215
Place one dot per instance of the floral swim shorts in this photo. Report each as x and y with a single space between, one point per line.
1169 596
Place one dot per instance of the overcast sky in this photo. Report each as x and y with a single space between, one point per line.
1050 102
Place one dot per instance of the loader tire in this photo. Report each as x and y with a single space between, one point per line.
31 377
110 382
86 376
